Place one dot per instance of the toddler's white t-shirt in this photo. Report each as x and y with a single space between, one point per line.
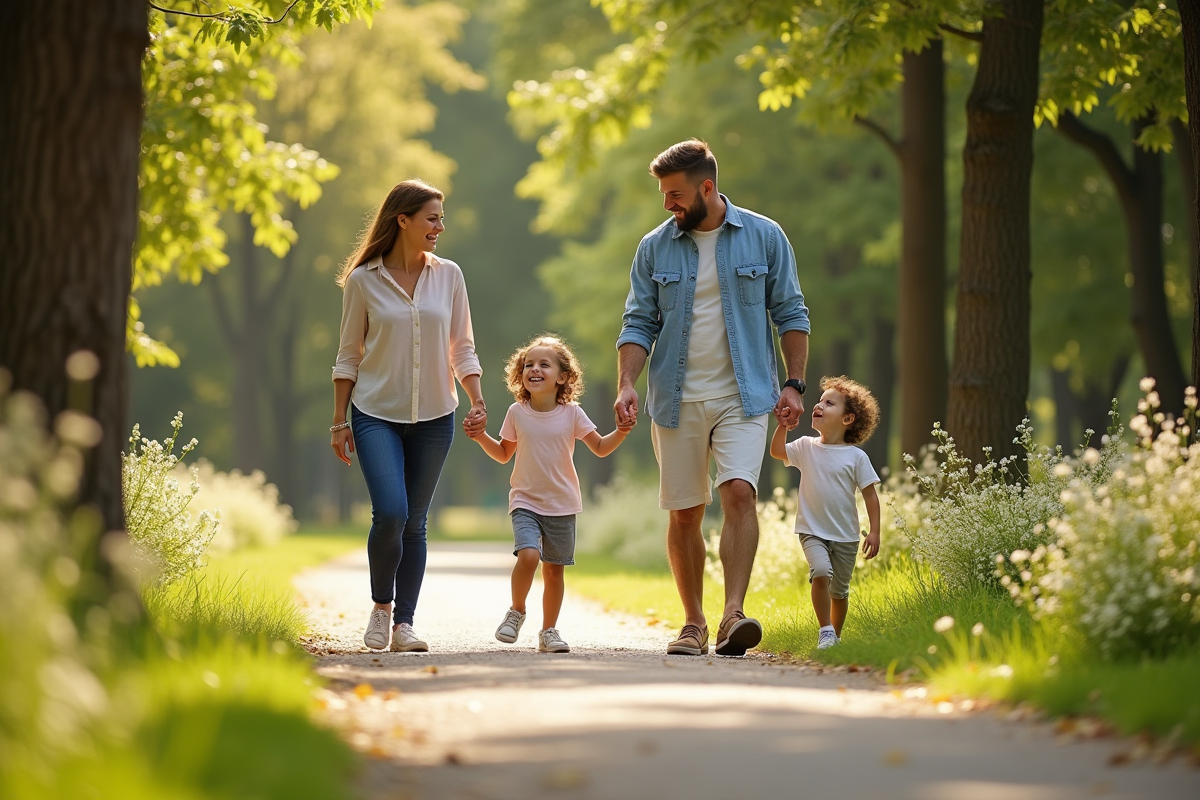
829 474
544 480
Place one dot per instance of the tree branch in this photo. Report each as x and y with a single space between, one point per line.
974 36
1102 147
221 17
878 130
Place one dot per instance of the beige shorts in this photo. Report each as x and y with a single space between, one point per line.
707 427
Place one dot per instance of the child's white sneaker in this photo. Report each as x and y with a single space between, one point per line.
405 640
379 629
511 626
826 638
549 641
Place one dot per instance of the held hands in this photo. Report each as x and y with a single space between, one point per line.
790 408
342 442
475 423
626 409
870 546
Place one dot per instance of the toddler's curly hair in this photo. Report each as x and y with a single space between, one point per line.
859 402
568 391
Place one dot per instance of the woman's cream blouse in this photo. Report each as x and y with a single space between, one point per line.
404 353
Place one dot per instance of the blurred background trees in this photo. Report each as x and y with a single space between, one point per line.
540 120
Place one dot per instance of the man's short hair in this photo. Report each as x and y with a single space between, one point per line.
693 158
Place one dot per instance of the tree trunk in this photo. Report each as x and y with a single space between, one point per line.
1065 408
990 378
1189 16
882 375
247 343
1189 175
1140 190
1151 318
922 299
70 125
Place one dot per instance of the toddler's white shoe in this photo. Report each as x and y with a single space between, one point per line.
549 641
378 629
826 638
404 640
511 626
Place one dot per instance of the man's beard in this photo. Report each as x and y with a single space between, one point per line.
693 215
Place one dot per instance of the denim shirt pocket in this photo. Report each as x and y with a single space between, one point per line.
752 282
668 289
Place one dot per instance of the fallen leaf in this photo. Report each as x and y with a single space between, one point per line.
565 778
391 694
895 758
1065 725
841 688
1118 759
431 669
364 690
377 752
453 758
646 747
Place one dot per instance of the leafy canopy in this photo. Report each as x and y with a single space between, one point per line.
204 153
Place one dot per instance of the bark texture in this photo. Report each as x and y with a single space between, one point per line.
990 378
921 314
1189 16
70 122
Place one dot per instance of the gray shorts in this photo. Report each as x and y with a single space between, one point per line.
833 560
552 537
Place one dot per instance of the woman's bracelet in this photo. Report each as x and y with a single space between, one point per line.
338 427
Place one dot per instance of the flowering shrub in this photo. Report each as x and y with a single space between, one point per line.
1123 567
251 514
163 532
968 514
625 523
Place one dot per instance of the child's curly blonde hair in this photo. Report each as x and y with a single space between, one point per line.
859 402
569 390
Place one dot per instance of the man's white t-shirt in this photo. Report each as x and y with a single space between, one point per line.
709 371
829 474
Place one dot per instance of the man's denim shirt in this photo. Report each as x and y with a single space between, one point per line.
756 269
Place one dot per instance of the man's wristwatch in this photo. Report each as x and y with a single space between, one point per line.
796 384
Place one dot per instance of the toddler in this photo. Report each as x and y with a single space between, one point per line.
831 468
541 428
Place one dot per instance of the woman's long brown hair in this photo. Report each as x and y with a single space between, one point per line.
407 198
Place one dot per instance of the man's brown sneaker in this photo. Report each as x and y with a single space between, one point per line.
737 634
692 641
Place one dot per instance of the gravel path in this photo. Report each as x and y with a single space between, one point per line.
616 718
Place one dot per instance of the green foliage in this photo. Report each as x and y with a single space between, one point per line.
95 701
170 543
1136 48
203 151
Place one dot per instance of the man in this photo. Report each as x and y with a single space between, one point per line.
704 289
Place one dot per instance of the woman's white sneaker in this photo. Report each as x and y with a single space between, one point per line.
405 641
378 629
550 642
511 626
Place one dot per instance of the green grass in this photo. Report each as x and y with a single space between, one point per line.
890 626
217 694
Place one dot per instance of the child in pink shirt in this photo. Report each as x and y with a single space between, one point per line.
541 428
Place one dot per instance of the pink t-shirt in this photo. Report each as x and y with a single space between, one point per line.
544 480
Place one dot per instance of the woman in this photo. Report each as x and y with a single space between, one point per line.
406 334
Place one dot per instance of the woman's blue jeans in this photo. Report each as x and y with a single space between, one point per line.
401 462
